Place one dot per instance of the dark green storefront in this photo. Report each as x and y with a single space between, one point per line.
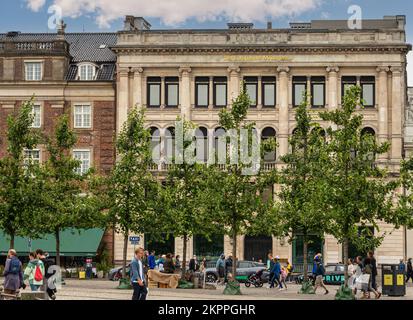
73 243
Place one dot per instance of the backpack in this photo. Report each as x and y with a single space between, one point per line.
14 266
38 275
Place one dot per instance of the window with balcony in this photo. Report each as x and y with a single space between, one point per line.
266 134
317 92
268 92
33 71
251 88
368 91
220 91
86 72
299 90
172 91
84 158
82 116
201 92
37 116
154 92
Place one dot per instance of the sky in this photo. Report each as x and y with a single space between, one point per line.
108 15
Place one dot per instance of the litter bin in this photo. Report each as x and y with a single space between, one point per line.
393 280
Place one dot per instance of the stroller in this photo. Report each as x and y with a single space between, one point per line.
255 279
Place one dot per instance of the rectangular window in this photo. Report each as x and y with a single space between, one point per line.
82 116
33 71
299 90
172 91
220 91
84 157
201 92
368 89
268 91
154 92
251 88
346 83
31 156
86 72
317 92
37 116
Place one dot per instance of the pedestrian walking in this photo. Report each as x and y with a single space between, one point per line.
13 274
151 260
319 274
48 286
220 267
283 277
194 264
289 269
34 272
169 265
358 264
137 276
276 272
316 259
368 270
373 264
270 266
409 271
351 273
178 262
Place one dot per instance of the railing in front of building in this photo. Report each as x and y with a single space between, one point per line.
36 47
165 167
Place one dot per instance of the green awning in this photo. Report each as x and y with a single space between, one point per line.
73 243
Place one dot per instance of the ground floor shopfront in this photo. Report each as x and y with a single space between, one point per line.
256 248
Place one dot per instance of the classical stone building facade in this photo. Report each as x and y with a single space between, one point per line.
64 73
194 73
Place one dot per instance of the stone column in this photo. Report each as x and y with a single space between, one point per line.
137 87
396 114
332 87
185 96
308 92
259 96
234 85
163 103
211 93
123 97
383 132
283 120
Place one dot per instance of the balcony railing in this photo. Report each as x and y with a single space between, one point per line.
33 47
165 167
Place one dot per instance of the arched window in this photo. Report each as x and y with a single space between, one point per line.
155 144
201 136
220 145
368 130
268 133
86 71
169 146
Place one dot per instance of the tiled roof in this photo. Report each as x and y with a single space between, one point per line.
83 46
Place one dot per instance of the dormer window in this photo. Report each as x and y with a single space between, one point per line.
86 72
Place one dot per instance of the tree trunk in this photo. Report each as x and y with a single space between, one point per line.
345 258
234 255
57 235
11 241
305 259
125 252
183 266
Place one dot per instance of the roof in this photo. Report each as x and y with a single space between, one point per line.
105 72
83 46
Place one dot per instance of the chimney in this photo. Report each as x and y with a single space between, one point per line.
61 27
269 25
136 24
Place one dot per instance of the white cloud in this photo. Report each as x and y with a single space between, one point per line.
175 12
35 5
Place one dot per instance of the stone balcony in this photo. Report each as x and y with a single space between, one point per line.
33 48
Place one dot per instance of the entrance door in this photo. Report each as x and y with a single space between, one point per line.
161 243
257 247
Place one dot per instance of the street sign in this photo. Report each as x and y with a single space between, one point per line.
134 240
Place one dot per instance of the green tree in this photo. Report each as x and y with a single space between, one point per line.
236 186
183 192
66 200
359 193
17 191
132 189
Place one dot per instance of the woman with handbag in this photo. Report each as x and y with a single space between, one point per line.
368 269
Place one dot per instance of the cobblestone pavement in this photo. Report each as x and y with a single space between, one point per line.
106 290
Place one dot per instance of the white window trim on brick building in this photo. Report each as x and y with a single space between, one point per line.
37 116
30 74
82 116
29 155
86 71
85 156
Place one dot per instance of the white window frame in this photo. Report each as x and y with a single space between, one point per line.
26 159
26 72
86 65
81 170
82 124
39 125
